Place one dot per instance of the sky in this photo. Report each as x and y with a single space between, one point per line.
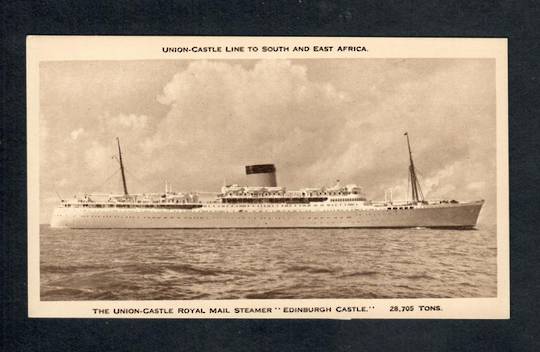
197 123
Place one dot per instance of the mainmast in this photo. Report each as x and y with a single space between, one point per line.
122 167
417 195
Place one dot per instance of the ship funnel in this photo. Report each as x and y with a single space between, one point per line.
262 175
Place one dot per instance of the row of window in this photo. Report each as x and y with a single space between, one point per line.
274 200
274 205
398 208
346 199
280 194
199 217
146 206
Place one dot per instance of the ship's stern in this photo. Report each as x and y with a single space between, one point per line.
59 218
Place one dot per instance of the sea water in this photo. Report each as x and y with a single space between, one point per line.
266 263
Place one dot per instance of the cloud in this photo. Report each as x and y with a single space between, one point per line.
130 121
76 133
224 115
97 156
478 185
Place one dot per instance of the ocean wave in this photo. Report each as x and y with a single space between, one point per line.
467 284
190 269
272 294
310 269
361 273
61 294
420 276
405 286
69 269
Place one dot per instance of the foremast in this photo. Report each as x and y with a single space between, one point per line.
416 190
122 167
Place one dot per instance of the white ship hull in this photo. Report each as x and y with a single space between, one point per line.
460 215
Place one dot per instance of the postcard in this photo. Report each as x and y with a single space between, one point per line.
267 177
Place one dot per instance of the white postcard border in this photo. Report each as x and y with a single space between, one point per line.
53 48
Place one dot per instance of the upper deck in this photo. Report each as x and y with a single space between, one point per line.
232 194
246 194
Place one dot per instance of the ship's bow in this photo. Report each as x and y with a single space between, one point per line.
462 215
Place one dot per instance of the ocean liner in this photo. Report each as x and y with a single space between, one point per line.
261 203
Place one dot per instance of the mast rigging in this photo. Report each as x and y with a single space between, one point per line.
417 195
122 167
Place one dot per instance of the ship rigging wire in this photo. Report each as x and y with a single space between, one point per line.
108 178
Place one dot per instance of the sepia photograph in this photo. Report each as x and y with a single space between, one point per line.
268 178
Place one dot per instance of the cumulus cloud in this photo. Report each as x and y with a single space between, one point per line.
478 185
76 133
223 116
97 155
131 121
